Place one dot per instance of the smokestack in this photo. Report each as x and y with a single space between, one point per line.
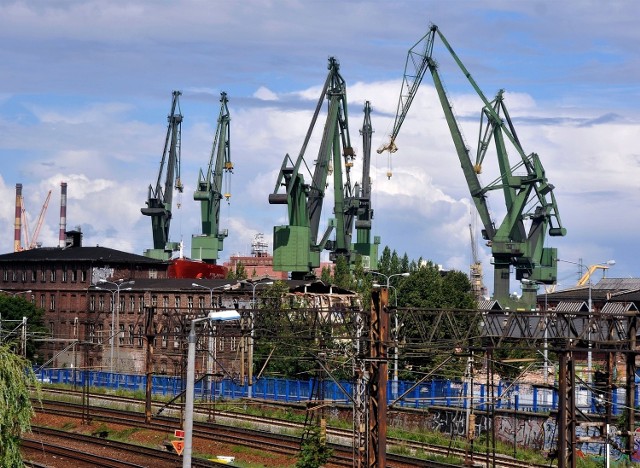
62 238
17 232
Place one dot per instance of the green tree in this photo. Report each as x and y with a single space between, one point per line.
342 274
384 264
16 378
14 308
325 275
314 452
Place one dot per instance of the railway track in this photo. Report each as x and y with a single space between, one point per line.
269 434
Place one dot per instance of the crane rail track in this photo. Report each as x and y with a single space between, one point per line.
268 440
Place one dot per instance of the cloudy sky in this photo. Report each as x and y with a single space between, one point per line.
85 89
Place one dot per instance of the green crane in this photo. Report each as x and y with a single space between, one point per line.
160 196
296 248
363 245
529 199
210 192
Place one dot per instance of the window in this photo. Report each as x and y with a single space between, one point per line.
201 302
121 334
165 302
14 275
64 274
74 275
131 333
121 305
83 276
189 302
43 301
221 343
154 301
92 303
99 332
24 276
140 336
176 338
177 302
34 276
43 275
52 303
101 303
5 275
53 275
132 303
52 329
165 337
92 332
140 303
233 343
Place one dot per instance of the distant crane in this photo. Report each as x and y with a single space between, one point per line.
296 247
210 192
592 269
31 242
161 196
529 198
475 276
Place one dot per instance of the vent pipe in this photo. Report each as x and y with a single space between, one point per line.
62 238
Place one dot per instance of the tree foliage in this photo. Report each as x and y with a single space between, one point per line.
314 452
13 309
16 378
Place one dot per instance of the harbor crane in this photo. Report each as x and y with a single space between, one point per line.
210 191
296 247
363 245
528 198
159 202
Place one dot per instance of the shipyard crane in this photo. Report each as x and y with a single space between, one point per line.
210 191
296 247
31 241
159 202
363 245
529 198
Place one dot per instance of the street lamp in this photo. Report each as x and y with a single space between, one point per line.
212 346
590 270
394 385
252 332
115 310
220 316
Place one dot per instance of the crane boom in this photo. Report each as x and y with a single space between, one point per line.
529 199
210 191
160 199
36 231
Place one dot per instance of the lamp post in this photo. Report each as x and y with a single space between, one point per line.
394 384
590 270
252 331
115 310
191 371
212 345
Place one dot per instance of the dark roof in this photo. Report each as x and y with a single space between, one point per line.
489 304
76 254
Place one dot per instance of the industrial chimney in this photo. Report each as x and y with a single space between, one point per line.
62 238
17 232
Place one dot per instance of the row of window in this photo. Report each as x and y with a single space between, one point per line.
97 335
23 275
136 303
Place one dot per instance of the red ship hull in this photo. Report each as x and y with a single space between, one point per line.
195 269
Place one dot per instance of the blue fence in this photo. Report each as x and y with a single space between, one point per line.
443 393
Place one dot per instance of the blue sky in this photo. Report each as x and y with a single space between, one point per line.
85 89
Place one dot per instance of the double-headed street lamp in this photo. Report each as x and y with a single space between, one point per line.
394 385
252 332
115 310
220 316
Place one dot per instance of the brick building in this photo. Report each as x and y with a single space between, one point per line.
97 300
